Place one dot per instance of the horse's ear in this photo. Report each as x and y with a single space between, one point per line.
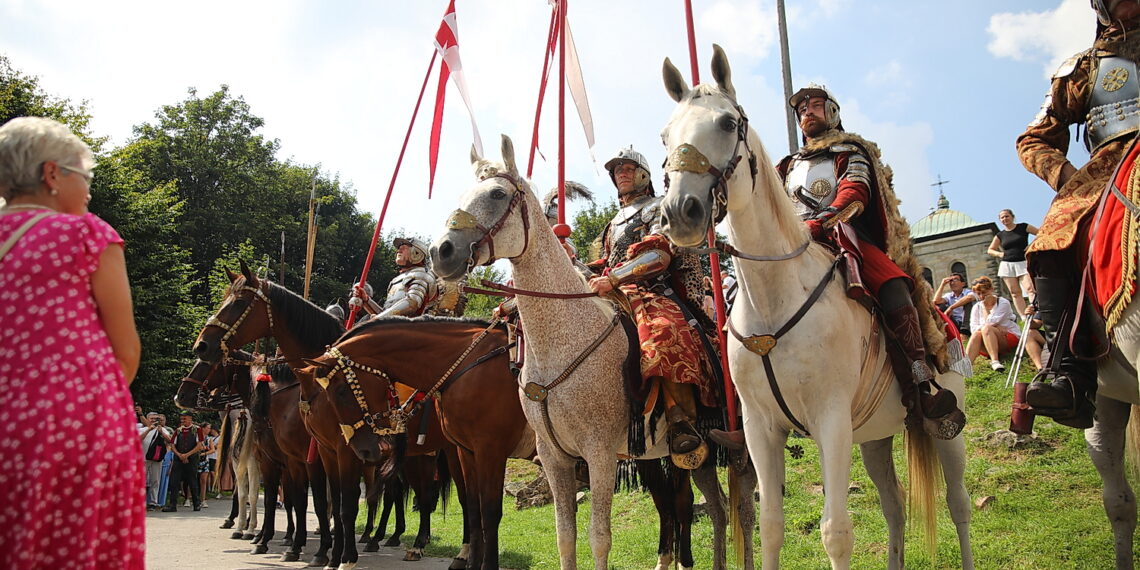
475 158
675 84
231 275
312 362
721 71
509 155
245 271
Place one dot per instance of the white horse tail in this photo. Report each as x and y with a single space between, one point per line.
734 500
924 481
1132 443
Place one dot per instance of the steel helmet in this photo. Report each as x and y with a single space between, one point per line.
831 107
335 310
629 156
419 252
1103 11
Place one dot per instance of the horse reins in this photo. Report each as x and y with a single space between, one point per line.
762 344
232 328
500 290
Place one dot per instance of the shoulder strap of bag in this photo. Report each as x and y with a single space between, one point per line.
20 231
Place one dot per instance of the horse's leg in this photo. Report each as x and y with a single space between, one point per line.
681 483
318 482
1106 449
427 487
471 553
603 475
880 466
296 505
339 529
952 456
766 447
490 473
715 505
255 486
272 480
243 503
350 474
834 439
742 478
395 490
371 496
454 468
559 470
654 479
290 524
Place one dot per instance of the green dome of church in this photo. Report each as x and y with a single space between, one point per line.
941 220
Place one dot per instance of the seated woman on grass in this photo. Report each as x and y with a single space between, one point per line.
993 326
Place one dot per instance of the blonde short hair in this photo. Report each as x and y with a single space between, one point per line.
26 143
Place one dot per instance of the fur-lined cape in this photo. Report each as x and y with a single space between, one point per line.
574 191
900 246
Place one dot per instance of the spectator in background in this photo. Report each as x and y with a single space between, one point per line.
708 303
954 301
730 286
154 437
75 491
1009 246
993 330
206 465
188 440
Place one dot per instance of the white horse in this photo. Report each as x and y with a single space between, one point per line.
247 472
826 396
577 411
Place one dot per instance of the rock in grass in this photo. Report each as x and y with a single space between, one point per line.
983 503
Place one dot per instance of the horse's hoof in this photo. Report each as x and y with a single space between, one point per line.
458 564
347 566
372 547
363 538
413 555
393 541
228 524
250 537
237 535
291 556
319 562
259 549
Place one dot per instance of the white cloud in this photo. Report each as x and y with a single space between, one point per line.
1050 36
742 26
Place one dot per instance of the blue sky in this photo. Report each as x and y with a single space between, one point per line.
944 91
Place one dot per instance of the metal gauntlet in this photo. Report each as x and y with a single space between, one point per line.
644 266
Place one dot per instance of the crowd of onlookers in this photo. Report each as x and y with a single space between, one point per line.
995 325
180 461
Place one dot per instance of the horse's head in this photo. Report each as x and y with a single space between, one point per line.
492 221
243 317
198 389
706 139
365 403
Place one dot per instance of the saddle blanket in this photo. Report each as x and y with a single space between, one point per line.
1112 251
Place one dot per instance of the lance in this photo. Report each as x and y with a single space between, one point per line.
714 257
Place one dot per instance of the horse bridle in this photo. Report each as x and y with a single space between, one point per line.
462 220
396 416
230 329
227 396
688 158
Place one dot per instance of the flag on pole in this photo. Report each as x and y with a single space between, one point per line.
574 81
447 44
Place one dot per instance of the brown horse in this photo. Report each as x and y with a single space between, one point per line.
460 371
254 308
280 439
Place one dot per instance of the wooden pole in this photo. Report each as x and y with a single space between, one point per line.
311 243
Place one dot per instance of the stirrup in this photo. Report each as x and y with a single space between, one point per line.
693 459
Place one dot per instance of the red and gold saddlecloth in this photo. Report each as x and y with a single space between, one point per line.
670 347
1113 249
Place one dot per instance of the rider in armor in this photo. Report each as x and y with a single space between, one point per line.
839 177
412 290
1096 88
665 292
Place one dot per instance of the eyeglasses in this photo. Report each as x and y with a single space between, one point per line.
87 175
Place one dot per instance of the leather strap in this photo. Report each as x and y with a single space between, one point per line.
20 231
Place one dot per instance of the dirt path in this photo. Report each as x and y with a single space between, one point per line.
188 540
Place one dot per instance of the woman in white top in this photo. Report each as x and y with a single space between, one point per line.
993 326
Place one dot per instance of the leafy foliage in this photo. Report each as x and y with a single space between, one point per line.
480 306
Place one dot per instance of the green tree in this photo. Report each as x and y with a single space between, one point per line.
21 96
480 306
588 226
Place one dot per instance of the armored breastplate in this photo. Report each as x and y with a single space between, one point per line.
402 285
631 224
811 183
1113 111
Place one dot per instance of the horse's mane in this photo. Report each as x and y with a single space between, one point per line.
377 322
312 325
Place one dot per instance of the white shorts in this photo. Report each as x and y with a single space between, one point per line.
1012 269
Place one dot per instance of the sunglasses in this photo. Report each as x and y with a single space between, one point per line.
86 174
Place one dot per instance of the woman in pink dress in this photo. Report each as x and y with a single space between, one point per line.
74 496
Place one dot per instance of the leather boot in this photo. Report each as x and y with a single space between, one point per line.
1065 389
683 438
728 439
936 404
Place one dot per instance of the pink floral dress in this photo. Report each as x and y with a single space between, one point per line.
72 492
